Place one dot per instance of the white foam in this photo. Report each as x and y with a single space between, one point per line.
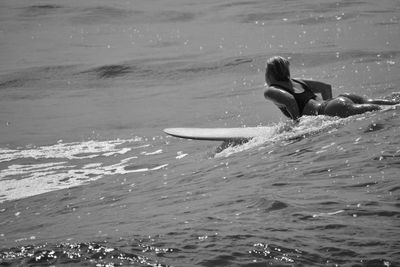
24 180
18 169
325 214
287 130
50 177
159 151
180 155
76 150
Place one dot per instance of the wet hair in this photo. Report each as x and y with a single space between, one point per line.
278 68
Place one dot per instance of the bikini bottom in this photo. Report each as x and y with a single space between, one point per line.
345 101
321 108
324 104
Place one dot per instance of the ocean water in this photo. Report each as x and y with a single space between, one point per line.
88 178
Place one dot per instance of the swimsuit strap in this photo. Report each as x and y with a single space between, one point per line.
302 83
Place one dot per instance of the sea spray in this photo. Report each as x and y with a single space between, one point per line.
286 131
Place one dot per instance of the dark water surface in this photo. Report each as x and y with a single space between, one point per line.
87 177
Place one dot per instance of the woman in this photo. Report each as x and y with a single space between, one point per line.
296 98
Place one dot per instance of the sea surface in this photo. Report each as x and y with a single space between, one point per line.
88 178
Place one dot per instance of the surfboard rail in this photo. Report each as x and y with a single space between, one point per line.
217 134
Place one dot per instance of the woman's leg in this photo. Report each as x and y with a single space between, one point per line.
362 100
345 106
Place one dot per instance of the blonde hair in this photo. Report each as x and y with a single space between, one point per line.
278 68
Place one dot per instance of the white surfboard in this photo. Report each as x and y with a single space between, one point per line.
218 134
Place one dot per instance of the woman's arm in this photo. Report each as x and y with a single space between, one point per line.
319 87
283 100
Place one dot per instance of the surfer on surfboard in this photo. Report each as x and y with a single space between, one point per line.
295 97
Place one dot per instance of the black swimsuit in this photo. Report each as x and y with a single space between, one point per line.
301 98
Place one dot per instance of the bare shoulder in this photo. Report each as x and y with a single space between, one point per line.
284 100
274 92
278 95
